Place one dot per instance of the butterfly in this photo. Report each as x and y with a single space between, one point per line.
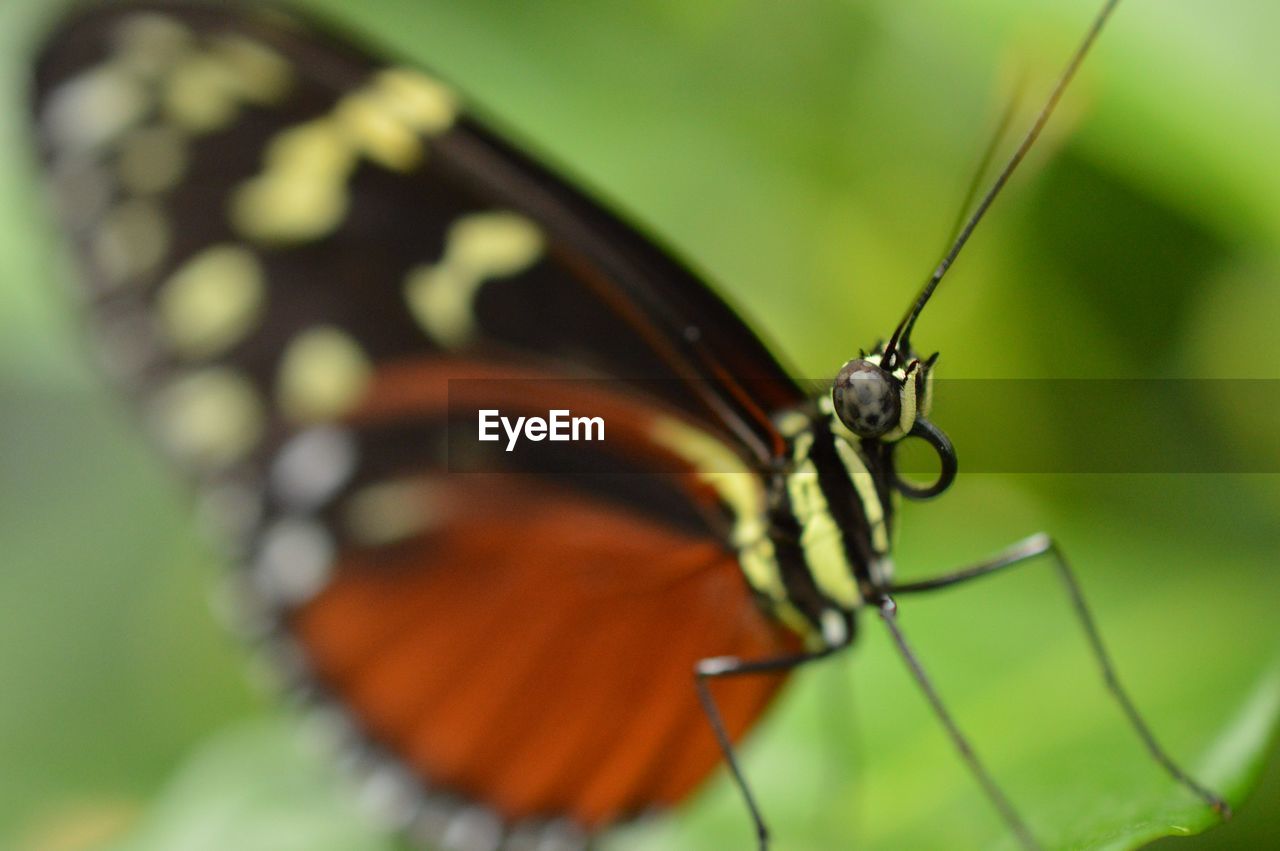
316 274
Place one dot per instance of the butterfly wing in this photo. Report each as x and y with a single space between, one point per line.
310 269
529 641
427 231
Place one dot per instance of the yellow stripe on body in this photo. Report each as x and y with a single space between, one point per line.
865 485
820 535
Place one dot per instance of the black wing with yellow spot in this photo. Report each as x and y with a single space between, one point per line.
290 249
235 144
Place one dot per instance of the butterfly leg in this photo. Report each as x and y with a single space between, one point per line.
1042 545
889 612
719 667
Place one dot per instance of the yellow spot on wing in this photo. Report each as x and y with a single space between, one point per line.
478 247
390 512
423 103
323 375
377 132
288 207
717 465
148 44
317 149
211 302
210 418
740 488
301 194
204 89
200 93
151 160
493 244
262 76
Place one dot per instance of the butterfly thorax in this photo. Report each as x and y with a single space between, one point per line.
829 518
829 513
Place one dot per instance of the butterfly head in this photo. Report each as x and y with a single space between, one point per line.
885 398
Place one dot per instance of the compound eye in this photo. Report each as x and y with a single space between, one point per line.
866 398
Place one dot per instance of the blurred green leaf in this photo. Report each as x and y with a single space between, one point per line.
253 788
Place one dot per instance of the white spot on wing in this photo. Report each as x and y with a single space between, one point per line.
294 561
474 828
312 466
389 794
90 110
561 835
432 820
835 631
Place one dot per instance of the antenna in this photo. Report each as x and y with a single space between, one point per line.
902 334
1011 108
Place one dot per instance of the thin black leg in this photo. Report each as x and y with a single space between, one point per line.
1038 545
889 612
728 666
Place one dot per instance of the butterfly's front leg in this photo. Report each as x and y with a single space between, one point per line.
1025 551
718 667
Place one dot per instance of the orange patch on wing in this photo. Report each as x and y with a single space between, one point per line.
536 653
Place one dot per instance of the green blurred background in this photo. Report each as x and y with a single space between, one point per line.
809 158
